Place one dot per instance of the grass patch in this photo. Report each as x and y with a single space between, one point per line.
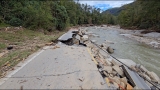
2 46
4 25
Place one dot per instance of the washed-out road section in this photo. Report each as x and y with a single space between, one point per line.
65 67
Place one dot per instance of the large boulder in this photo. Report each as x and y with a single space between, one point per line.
110 50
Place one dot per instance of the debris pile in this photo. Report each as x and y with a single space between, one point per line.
118 74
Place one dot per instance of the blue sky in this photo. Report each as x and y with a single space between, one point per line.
105 4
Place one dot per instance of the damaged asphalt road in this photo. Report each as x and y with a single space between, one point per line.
65 67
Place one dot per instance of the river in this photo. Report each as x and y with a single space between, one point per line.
126 48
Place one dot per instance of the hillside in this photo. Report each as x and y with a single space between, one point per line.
141 15
113 11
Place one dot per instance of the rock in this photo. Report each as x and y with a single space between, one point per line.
49 43
93 41
108 62
143 69
85 38
111 75
118 69
108 69
109 42
123 85
115 79
83 32
116 85
114 73
78 37
75 41
102 57
153 76
124 80
146 76
115 63
110 50
133 68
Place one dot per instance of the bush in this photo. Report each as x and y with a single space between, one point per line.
144 25
15 22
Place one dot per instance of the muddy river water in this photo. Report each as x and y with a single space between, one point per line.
126 48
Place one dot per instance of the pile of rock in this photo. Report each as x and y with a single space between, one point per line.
113 72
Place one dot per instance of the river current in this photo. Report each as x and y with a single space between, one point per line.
126 48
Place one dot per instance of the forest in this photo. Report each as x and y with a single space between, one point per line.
59 14
141 15
49 15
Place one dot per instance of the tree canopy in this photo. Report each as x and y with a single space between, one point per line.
48 14
141 14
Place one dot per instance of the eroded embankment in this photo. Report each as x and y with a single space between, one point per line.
117 73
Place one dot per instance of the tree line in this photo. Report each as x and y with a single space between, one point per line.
59 14
50 15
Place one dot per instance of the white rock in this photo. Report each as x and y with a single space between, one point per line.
153 76
122 85
143 69
116 79
93 41
110 42
146 76
116 85
85 38
124 80
118 69
78 37
115 62
108 62
108 69
114 73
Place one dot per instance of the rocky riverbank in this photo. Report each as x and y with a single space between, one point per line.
118 73
149 38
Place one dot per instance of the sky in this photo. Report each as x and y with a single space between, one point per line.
105 4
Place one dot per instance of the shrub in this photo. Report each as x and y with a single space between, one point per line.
15 22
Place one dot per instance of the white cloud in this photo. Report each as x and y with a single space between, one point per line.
112 4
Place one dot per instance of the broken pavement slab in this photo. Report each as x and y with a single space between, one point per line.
58 68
